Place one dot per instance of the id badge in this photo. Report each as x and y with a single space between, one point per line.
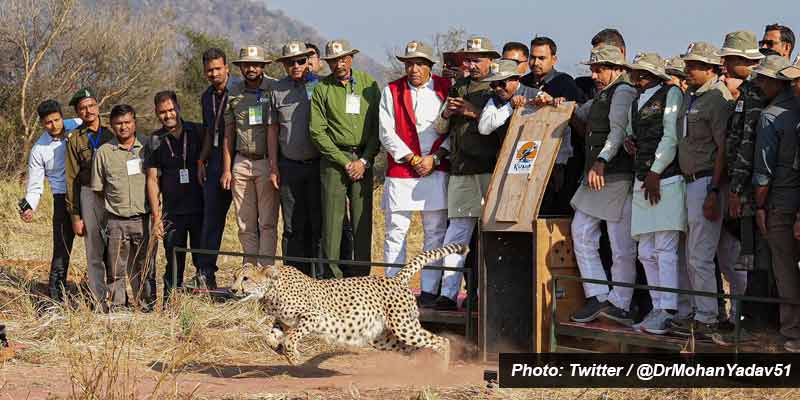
255 115
353 104
739 106
183 175
216 139
134 166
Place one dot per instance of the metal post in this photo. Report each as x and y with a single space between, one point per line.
553 317
468 322
737 323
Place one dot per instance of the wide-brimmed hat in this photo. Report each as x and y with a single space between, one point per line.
675 66
770 67
502 70
417 49
81 94
606 54
292 49
650 62
480 45
338 48
742 44
252 54
792 71
703 52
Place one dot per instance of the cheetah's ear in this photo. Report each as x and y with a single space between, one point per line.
271 271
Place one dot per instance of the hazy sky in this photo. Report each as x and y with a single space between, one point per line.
665 26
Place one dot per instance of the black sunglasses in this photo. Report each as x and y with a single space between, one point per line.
767 43
298 61
497 84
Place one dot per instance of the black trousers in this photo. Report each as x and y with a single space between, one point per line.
63 237
301 208
177 228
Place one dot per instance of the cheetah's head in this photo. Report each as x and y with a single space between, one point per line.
253 282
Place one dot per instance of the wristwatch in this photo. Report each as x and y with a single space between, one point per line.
366 163
436 160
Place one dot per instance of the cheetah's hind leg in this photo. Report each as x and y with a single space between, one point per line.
411 333
388 341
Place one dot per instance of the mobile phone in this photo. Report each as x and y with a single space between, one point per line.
452 59
24 206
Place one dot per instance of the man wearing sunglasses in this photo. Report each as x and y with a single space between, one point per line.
778 38
518 53
509 94
288 115
472 158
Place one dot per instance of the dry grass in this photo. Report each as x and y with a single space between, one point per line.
129 356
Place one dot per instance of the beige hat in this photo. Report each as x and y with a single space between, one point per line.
502 70
675 66
480 45
650 62
742 44
254 54
417 49
606 54
792 71
338 48
292 49
770 67
703 52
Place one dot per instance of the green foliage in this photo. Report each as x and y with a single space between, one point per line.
191 81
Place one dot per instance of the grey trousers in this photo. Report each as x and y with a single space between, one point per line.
785 254
127 255
94 220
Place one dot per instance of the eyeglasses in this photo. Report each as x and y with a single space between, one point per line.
298 61
497 84
767 43
471 61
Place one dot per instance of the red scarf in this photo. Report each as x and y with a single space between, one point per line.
406 128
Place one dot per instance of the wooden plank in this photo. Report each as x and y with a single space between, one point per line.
533 140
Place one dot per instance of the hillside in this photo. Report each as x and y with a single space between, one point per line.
246 21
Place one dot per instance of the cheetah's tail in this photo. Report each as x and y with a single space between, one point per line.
423 259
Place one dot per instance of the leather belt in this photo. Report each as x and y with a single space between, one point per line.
698 175
351 149
303 162
252 157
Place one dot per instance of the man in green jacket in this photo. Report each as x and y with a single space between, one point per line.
344 126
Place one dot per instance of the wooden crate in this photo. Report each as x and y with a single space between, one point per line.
553 256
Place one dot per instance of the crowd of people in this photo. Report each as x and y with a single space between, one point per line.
689 163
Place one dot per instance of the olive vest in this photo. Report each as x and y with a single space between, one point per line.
600 127
470 152
648 129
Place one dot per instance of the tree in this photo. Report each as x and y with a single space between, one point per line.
192 81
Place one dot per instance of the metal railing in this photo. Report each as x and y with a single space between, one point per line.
468 272
737 300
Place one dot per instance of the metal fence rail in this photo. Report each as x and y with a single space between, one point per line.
469 276
736 299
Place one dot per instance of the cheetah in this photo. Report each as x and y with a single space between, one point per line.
375 311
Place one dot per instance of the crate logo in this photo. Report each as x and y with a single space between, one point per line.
524 157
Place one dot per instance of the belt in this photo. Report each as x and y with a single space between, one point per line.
251 156
303 162
693 177
351 149
131 218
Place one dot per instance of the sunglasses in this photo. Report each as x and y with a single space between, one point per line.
767 43
516 61
498 84
473 61
299 61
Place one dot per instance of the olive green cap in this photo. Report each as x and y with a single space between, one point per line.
502 70
675 66
80 95
792 71
703 52
480 45
417 49
742 44
650 62
292 49
252 54
606 54
770 67
338 48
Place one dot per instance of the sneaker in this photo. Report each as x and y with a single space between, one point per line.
590 311
728 339
726 326
688 327
680 326
444 303
792 346
617 315
658 324
202 282
651 314
426 300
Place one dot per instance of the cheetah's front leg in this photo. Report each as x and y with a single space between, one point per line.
275 337
305 325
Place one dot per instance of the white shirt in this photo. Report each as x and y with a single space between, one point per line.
413 194
47 159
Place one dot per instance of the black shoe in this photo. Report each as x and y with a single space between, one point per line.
590 311
202 282
725 326
444 303
617 315
426 300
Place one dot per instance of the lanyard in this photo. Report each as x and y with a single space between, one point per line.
216 112
95 142
184 147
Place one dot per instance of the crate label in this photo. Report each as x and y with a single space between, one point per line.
524 157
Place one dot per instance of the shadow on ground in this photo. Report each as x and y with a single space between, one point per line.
309 369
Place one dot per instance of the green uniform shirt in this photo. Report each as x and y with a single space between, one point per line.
702 123
118 173
333 128
79 162
247 112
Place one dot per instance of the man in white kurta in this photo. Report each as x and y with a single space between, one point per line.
416 179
